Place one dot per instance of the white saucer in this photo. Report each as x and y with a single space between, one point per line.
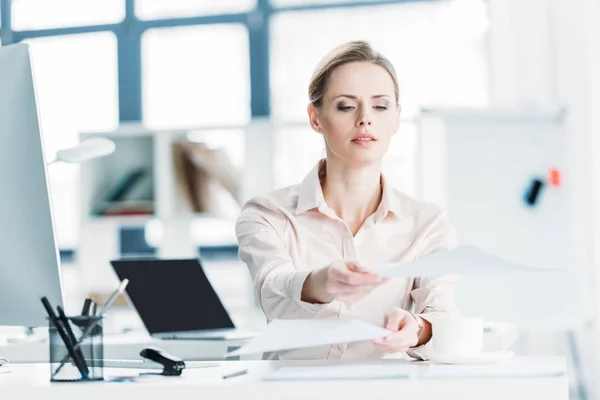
489 357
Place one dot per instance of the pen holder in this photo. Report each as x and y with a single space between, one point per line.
82 358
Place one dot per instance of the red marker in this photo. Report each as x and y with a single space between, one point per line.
554 177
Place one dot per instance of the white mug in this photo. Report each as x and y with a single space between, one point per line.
457 336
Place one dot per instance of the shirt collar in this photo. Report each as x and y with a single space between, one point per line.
310 194
390 201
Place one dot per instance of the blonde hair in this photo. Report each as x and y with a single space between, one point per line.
356 51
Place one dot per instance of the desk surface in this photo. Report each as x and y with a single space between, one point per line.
32 381
126 346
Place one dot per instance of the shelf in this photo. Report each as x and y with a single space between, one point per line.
173 230
122 219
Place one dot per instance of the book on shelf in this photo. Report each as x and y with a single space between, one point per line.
130 195
206 180
129 207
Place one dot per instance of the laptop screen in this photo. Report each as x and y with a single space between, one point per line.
172 295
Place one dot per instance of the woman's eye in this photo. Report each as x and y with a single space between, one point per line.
381 108
345 108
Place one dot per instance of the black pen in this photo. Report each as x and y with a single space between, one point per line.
88 331
86 307
62 334
78 352
234 374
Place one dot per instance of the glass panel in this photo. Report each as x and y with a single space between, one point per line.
76 84
44 14
437 48
155 9
196 76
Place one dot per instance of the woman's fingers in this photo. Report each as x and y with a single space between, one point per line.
394 342
393 319
355 267
349 282
404 332
339 288
355 278
393 348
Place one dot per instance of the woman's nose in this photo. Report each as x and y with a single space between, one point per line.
364 119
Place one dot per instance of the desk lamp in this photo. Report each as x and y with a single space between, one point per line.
85 151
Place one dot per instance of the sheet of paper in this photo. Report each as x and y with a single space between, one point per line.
464 260
518 368
286 334
337 372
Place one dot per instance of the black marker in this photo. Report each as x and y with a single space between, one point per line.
64 337
65 321
534 192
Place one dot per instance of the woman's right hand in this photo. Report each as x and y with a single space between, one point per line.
343 281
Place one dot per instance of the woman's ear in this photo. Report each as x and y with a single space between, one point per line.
313 118
398 112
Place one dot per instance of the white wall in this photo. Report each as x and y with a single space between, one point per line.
546 53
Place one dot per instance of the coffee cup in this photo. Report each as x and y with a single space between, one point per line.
457 336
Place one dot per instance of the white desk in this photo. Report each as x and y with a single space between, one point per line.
27 381
127 346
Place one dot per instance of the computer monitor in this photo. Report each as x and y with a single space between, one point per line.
29 258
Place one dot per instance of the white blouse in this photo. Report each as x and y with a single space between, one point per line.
285 234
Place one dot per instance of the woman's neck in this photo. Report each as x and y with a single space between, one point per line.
352 192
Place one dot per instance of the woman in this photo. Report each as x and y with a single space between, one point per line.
310 247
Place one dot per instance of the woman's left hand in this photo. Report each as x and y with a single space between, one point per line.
405 335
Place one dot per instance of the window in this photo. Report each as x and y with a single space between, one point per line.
195 76
76 84
44 14
154 9
437 49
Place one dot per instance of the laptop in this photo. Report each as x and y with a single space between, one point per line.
175 300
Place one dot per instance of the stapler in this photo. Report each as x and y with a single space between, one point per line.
172 366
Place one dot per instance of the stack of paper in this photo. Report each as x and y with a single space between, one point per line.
286 334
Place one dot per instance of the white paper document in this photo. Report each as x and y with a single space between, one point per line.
517 368
287 334
464 260
337 372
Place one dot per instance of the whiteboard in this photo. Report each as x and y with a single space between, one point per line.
479 165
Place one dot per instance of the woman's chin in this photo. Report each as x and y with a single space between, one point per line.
365 159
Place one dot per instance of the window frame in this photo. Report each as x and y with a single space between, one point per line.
129 33
129 47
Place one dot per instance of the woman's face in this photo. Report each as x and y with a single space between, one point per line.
358 114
